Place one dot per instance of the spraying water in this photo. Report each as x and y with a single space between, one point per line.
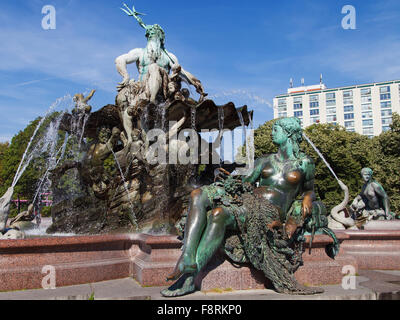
85 119
193 117
242 124
64 147
250 144
221 120
53 164
27 158
242 95
125 187
320 155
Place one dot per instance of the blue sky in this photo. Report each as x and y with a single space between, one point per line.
244 52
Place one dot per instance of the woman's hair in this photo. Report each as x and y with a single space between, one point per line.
367 170
292 126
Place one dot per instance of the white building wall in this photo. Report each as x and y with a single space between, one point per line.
360 124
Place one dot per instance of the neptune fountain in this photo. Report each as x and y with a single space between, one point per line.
148 134
144 166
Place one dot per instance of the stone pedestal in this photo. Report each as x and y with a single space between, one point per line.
319 268
75 260
156 258
374 249
149 259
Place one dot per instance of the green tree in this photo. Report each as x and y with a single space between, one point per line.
12 156
385 162
3 149
346 152
262 140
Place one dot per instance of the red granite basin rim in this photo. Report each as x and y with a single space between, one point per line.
63 241
323 239
372 234
150 240
157 240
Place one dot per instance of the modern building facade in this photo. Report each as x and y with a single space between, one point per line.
366 109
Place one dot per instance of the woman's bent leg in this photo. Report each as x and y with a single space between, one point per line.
196 222
213 236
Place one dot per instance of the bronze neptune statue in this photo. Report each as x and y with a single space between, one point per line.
257 219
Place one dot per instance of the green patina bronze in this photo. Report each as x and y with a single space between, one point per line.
156 41
372 203
257 219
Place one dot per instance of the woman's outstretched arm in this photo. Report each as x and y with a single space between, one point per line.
308 187
258 167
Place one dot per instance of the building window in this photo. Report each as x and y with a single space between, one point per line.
386 113
349 116
349 124
315 120
282 102
366 99
348 108
369 122
314 112
298 114
348 97
387 121
282 109
330 103
367 115
347 101
385 128
314 105
314 98
331 118
386 104
282 114
366 107
331 99
365 92
368 131
331 110
385 92
385 89
348 94
330 96
351 130
298 103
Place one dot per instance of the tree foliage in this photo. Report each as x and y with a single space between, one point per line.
385 161
347 153
11 160
11 156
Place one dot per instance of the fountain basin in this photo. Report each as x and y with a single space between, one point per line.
76 260
374 249
148 259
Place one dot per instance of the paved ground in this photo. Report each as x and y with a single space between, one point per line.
370 285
